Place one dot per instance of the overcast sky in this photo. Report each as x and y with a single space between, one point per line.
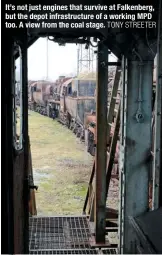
62 60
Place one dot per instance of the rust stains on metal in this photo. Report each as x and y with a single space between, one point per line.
101 148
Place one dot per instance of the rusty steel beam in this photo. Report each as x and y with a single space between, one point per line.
157 162
111 158
24 75
8 168
32 201
101 147
88 192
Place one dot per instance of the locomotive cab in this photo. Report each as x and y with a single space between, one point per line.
34 88
64 91
69 90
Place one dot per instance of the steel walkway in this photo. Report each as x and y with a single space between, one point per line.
62 235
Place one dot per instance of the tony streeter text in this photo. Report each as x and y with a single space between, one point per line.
131 24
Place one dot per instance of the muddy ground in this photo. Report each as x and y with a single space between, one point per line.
61 167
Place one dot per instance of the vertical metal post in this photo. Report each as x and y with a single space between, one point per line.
122 151
101 154
137 140
26 143
157 164
7 171
78 56
89 58
47 60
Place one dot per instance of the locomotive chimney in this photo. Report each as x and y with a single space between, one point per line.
61 77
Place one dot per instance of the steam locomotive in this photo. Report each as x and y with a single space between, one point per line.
70 100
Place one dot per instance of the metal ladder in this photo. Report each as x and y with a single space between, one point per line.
90 196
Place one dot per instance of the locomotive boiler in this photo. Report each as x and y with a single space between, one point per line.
71 99
76 100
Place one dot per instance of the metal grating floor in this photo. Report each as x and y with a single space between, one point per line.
88 251
61 235
109 251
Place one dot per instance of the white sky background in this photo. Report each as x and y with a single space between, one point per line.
62 60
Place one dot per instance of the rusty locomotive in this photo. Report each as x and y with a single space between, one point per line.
70 100
39 93
73 103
